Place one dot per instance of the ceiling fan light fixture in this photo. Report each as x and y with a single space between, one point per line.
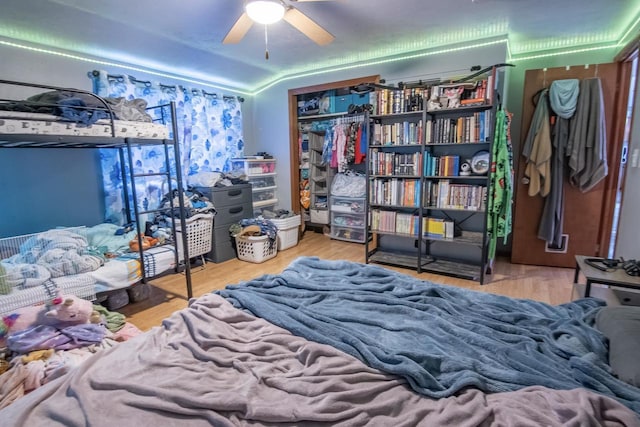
265 11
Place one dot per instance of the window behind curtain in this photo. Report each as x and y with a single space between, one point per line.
209 134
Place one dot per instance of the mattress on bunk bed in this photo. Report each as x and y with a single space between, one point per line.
14 122
124 270
117 273
81 285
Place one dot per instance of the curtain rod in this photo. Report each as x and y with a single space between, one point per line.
148 83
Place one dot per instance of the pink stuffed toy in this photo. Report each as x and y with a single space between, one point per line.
72 310
66 311
453 96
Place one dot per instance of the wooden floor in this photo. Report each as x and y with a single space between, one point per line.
547 284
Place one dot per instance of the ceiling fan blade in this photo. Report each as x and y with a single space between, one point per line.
239 29
308 27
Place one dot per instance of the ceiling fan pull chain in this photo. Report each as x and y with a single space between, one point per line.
266 44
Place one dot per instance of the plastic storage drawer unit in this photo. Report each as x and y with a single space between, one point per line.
232 204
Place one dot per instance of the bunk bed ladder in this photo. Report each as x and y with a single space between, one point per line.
183 222
167 176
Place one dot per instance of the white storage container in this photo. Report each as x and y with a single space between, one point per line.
288 229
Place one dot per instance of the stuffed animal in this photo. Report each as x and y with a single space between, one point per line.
72 310
465 168
66 311
453 96
20 320
433 103
147 242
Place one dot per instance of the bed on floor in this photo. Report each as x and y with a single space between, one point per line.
341 343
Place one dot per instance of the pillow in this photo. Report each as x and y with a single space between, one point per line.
621 325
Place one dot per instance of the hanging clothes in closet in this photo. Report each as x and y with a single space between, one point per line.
345 143
570 116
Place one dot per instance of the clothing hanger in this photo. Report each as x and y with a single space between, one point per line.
536 96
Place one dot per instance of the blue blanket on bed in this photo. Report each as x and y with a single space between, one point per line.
440 338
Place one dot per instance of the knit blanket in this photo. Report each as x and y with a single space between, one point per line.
441 339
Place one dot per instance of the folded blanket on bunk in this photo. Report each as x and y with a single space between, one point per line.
76 107
25 275
440 338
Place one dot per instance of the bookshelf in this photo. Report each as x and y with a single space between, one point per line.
428 179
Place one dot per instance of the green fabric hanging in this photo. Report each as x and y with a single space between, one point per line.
499 201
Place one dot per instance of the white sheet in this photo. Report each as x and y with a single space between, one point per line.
124 271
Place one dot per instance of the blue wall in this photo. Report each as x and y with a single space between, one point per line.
47 188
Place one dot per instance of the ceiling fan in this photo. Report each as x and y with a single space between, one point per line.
270 11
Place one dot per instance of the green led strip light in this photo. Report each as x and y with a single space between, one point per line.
515 52
126 67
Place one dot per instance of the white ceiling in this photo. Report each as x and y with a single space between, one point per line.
184 37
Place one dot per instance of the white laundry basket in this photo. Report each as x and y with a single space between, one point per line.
199 235
255 249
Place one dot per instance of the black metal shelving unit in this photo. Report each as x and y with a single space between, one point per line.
463 256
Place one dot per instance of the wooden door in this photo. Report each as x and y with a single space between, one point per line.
587 216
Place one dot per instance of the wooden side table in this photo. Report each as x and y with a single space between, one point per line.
614 277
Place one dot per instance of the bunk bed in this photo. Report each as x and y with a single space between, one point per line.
67 118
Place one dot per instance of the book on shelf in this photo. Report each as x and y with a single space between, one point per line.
438 228
405 133
467 129
385 163
395 192
394 101
388 221
445 195
441 166
472 101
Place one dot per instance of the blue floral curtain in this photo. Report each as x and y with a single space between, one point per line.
209 134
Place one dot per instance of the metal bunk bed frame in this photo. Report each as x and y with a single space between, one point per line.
123 145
